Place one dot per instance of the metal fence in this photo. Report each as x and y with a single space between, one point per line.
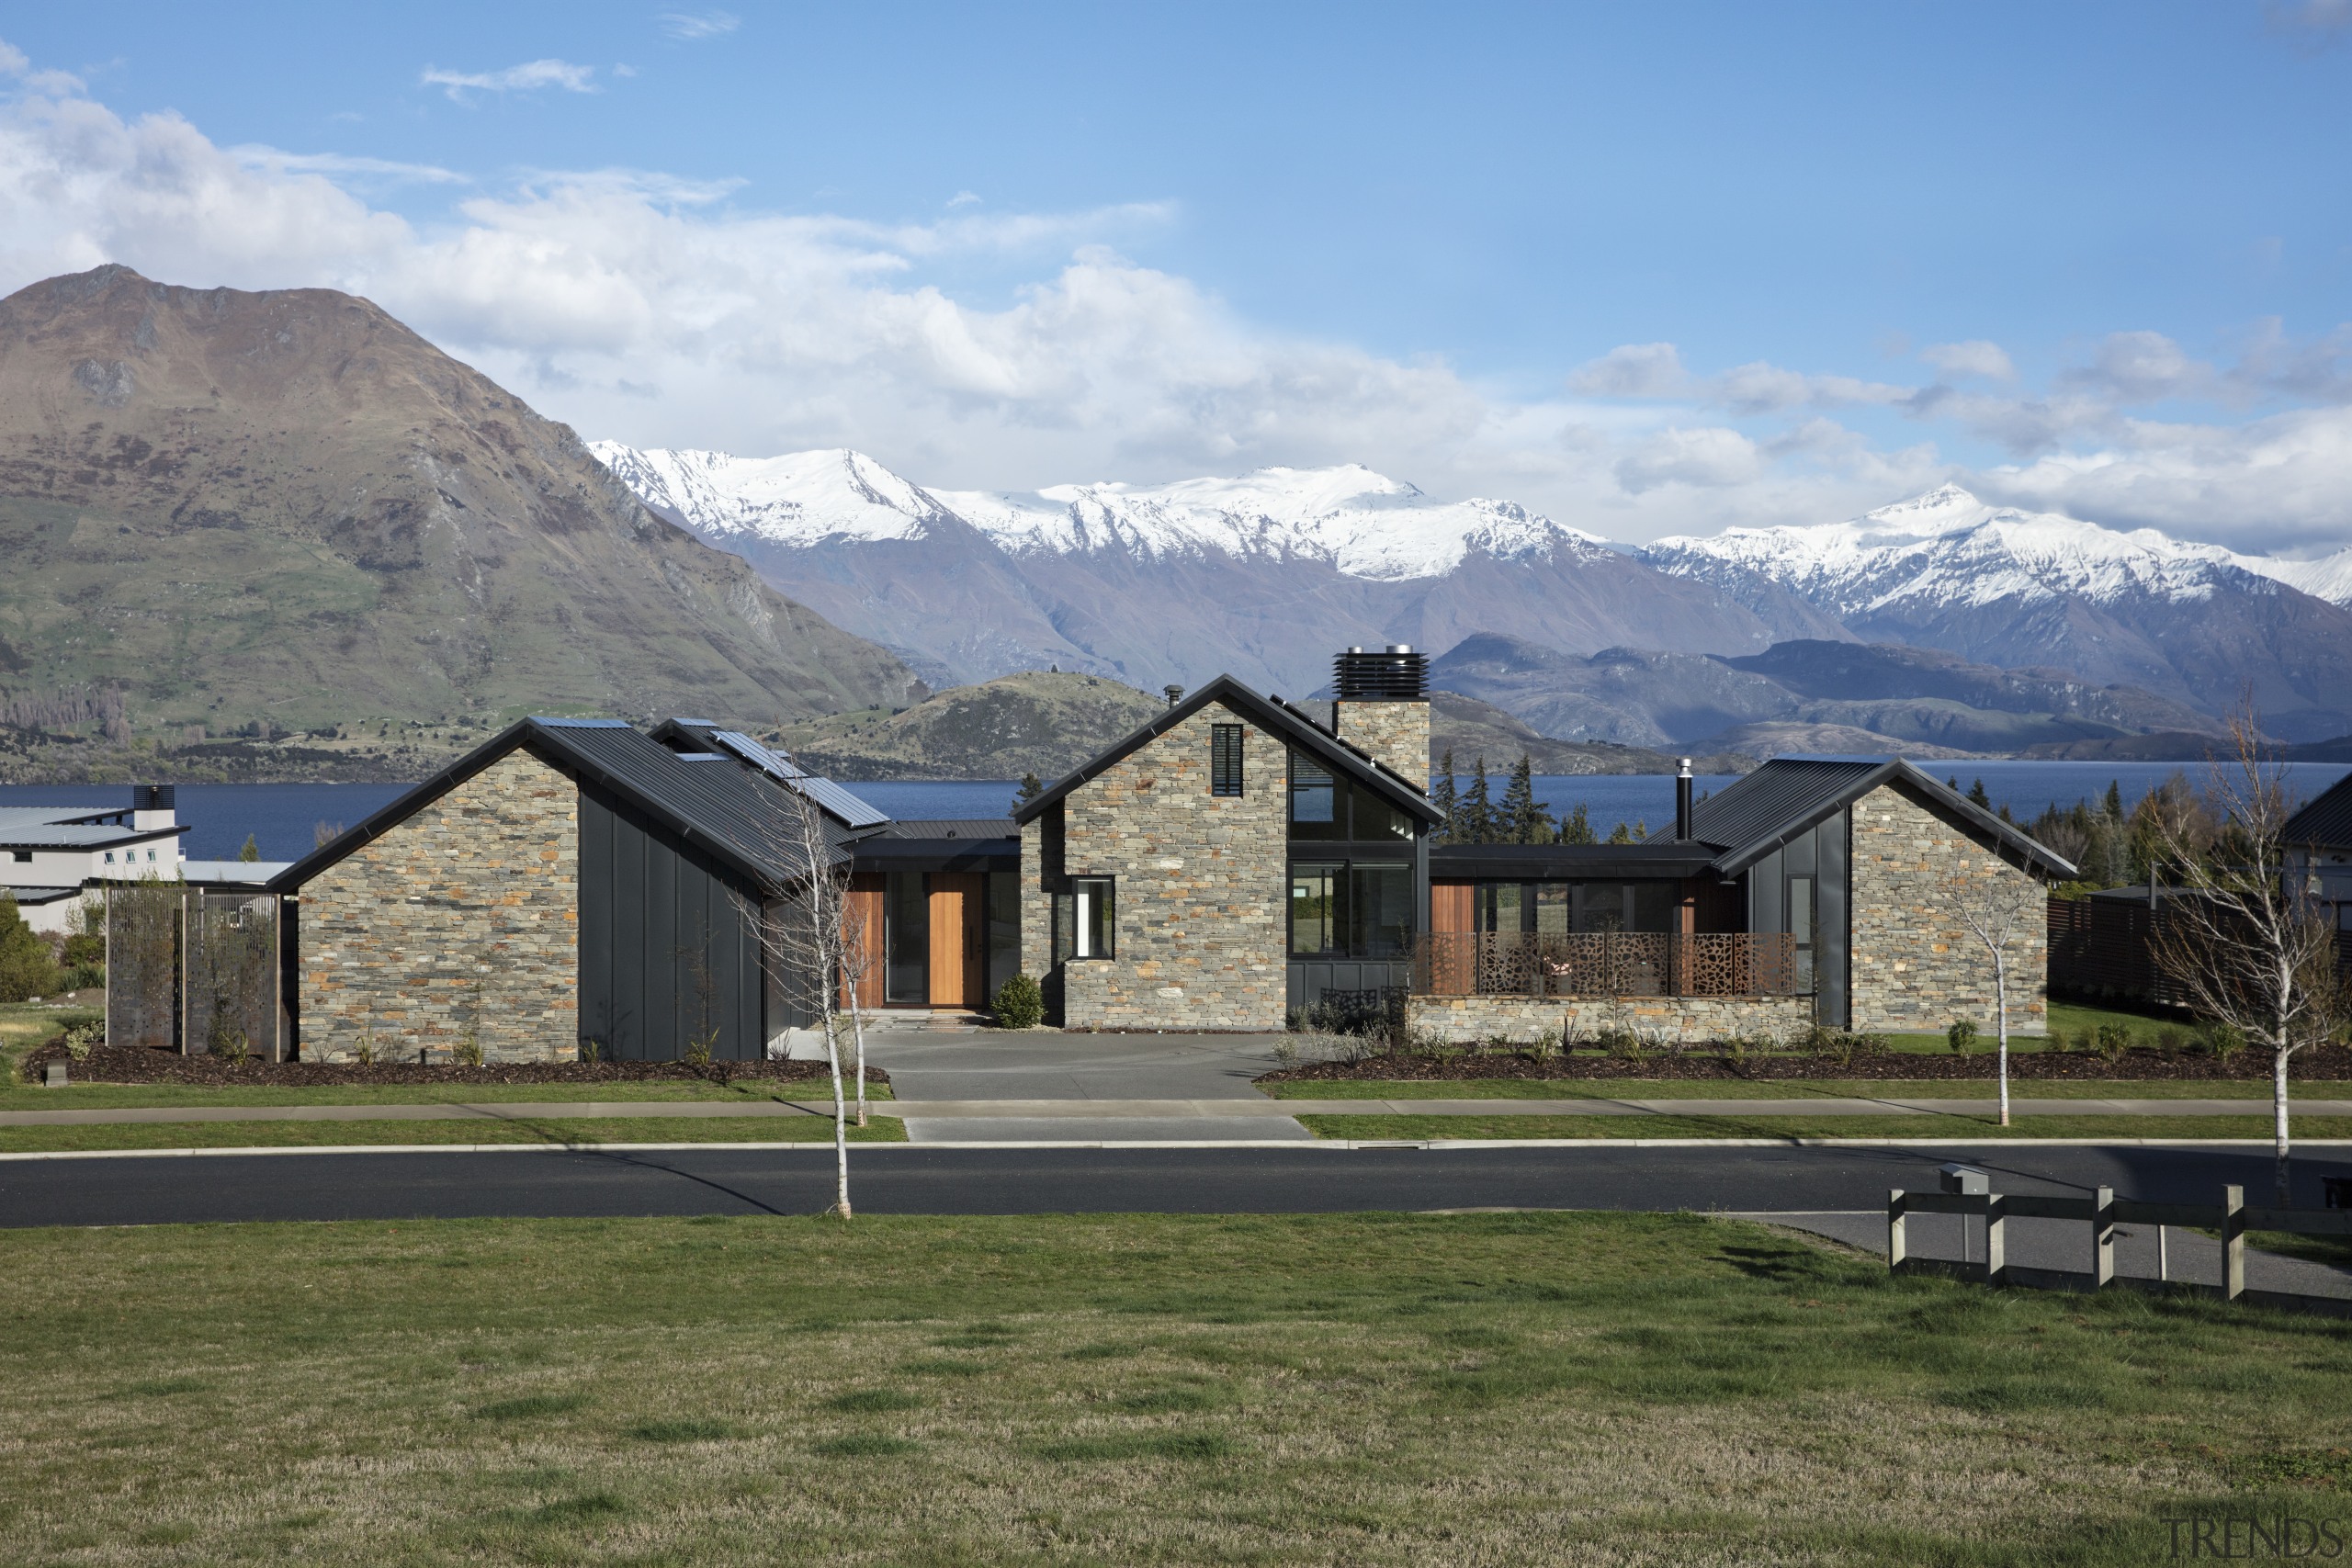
1604 964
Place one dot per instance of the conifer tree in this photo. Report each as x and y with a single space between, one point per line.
1523 820
1978 798
1475 818
1576 828
1447 799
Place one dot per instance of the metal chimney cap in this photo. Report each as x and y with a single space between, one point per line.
1399 647
1683 767
1355 647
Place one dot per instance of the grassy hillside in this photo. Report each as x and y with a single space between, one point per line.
1035 722
1471 729
254 515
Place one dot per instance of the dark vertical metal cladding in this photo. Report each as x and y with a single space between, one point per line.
1397 674
669 949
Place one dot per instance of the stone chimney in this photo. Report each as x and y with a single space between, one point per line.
1383 706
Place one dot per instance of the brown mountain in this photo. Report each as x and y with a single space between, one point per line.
285 512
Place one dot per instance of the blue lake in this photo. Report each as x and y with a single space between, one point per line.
283 819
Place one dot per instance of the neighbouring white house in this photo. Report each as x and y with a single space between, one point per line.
53 859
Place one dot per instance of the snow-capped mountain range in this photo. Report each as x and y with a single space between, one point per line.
1266 574
1362 523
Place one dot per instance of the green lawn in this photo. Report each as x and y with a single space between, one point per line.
1969 1126
2069 1018
1780 1089
100 1096
566 1130
1363 1390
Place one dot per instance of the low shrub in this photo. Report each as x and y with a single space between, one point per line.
2111 1040
1960 1034
1020 1004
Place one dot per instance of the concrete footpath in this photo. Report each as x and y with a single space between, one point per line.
1188 1110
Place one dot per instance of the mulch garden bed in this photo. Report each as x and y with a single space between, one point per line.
2331 1063
133 1064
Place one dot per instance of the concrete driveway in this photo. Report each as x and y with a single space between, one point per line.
986 1064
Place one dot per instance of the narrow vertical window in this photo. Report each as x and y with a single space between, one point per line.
1086 920
1800 928
1225 759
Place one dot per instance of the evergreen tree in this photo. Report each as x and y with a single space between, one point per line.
1447 799
1978 798
1620 834
2115 800
251 852
1475 818
1523 820
1576 828
1030 790
27 966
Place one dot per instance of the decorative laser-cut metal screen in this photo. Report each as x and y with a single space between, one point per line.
1611 964
143 965
230 979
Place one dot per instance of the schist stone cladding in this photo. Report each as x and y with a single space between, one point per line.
1915 965
458 927
1396 734
1200 883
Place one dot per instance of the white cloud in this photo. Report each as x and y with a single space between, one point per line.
1632 370
652 309
526 77
2324 17
1711 457
692 27
277 161
1975 357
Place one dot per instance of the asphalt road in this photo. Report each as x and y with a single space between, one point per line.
909 1179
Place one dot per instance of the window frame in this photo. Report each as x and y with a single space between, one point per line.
1069 927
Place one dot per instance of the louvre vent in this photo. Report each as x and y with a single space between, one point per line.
1396 674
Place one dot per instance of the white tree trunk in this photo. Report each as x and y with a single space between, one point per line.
857 1032
841 1123
2278 1121
2001 1023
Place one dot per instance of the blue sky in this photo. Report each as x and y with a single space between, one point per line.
1651 268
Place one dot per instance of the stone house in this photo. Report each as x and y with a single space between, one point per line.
1811 891
1235 858
572 885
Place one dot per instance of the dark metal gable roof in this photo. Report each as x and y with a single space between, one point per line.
732 813
2325 822
1749 818
843 805
1267 714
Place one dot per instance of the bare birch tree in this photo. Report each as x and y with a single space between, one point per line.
802 934
2247 946
2002 913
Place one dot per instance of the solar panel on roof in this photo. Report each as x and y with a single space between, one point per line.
854 812
582 723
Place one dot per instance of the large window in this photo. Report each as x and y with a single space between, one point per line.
1086 920
1225 759
1560 908
1327 808
906 940
1351 909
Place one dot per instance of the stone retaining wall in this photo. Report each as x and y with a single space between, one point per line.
1687 1021
460 924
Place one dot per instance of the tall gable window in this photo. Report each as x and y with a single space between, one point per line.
1225 759
1324 806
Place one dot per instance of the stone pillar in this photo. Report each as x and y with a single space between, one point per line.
1382 705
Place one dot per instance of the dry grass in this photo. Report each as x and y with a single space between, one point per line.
1502 1389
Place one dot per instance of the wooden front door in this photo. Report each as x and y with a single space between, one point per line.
958 967
862 932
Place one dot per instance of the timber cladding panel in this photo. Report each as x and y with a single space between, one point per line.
1203 931
1915 965
458 925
